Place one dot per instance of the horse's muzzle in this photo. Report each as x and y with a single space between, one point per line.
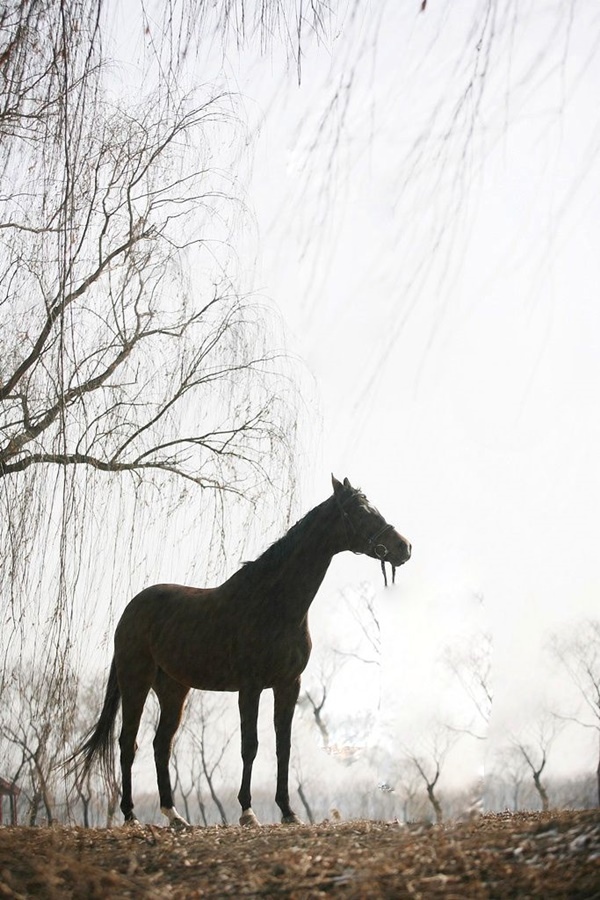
399 550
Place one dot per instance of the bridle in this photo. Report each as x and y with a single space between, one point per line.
379 549
374 543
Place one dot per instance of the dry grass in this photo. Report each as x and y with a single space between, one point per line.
524 855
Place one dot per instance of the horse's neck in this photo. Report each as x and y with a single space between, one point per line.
303 569
292 580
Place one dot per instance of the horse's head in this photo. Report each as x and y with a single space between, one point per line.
366 529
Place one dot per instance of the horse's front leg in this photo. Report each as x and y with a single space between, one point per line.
248 701
286 695
171 696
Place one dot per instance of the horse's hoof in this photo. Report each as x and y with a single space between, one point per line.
176 822
292 819
179 824
249 820
132 822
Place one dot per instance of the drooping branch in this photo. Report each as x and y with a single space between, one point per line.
115 362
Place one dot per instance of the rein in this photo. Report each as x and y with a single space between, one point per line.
383 555
385 573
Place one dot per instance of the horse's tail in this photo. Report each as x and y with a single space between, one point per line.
99 741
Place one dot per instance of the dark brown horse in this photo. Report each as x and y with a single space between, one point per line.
249 634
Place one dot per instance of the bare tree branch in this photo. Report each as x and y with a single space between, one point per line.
578 652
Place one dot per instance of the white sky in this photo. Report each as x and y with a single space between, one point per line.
445 302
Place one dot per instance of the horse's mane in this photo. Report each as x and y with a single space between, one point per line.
280 549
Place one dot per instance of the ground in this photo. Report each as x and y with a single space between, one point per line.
547 855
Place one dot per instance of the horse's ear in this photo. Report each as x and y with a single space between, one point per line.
338 487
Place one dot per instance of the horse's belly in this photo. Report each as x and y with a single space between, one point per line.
206 673
228 668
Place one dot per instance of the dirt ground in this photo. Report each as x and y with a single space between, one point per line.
545 855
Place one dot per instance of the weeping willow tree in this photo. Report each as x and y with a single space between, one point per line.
145 401
144 396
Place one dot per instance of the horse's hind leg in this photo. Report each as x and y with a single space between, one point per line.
134 690
171 696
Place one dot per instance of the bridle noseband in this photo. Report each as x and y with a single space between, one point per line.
379 549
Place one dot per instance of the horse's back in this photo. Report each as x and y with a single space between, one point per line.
185 631
163 606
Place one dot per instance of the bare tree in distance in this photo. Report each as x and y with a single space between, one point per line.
36 729
187 773
512 768
470 662
315 700
405 786
300 782
318 683
185 781
98 792
361 604
578 653
429 761
430 775
207 741
535 745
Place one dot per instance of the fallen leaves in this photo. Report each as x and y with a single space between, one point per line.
534 855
